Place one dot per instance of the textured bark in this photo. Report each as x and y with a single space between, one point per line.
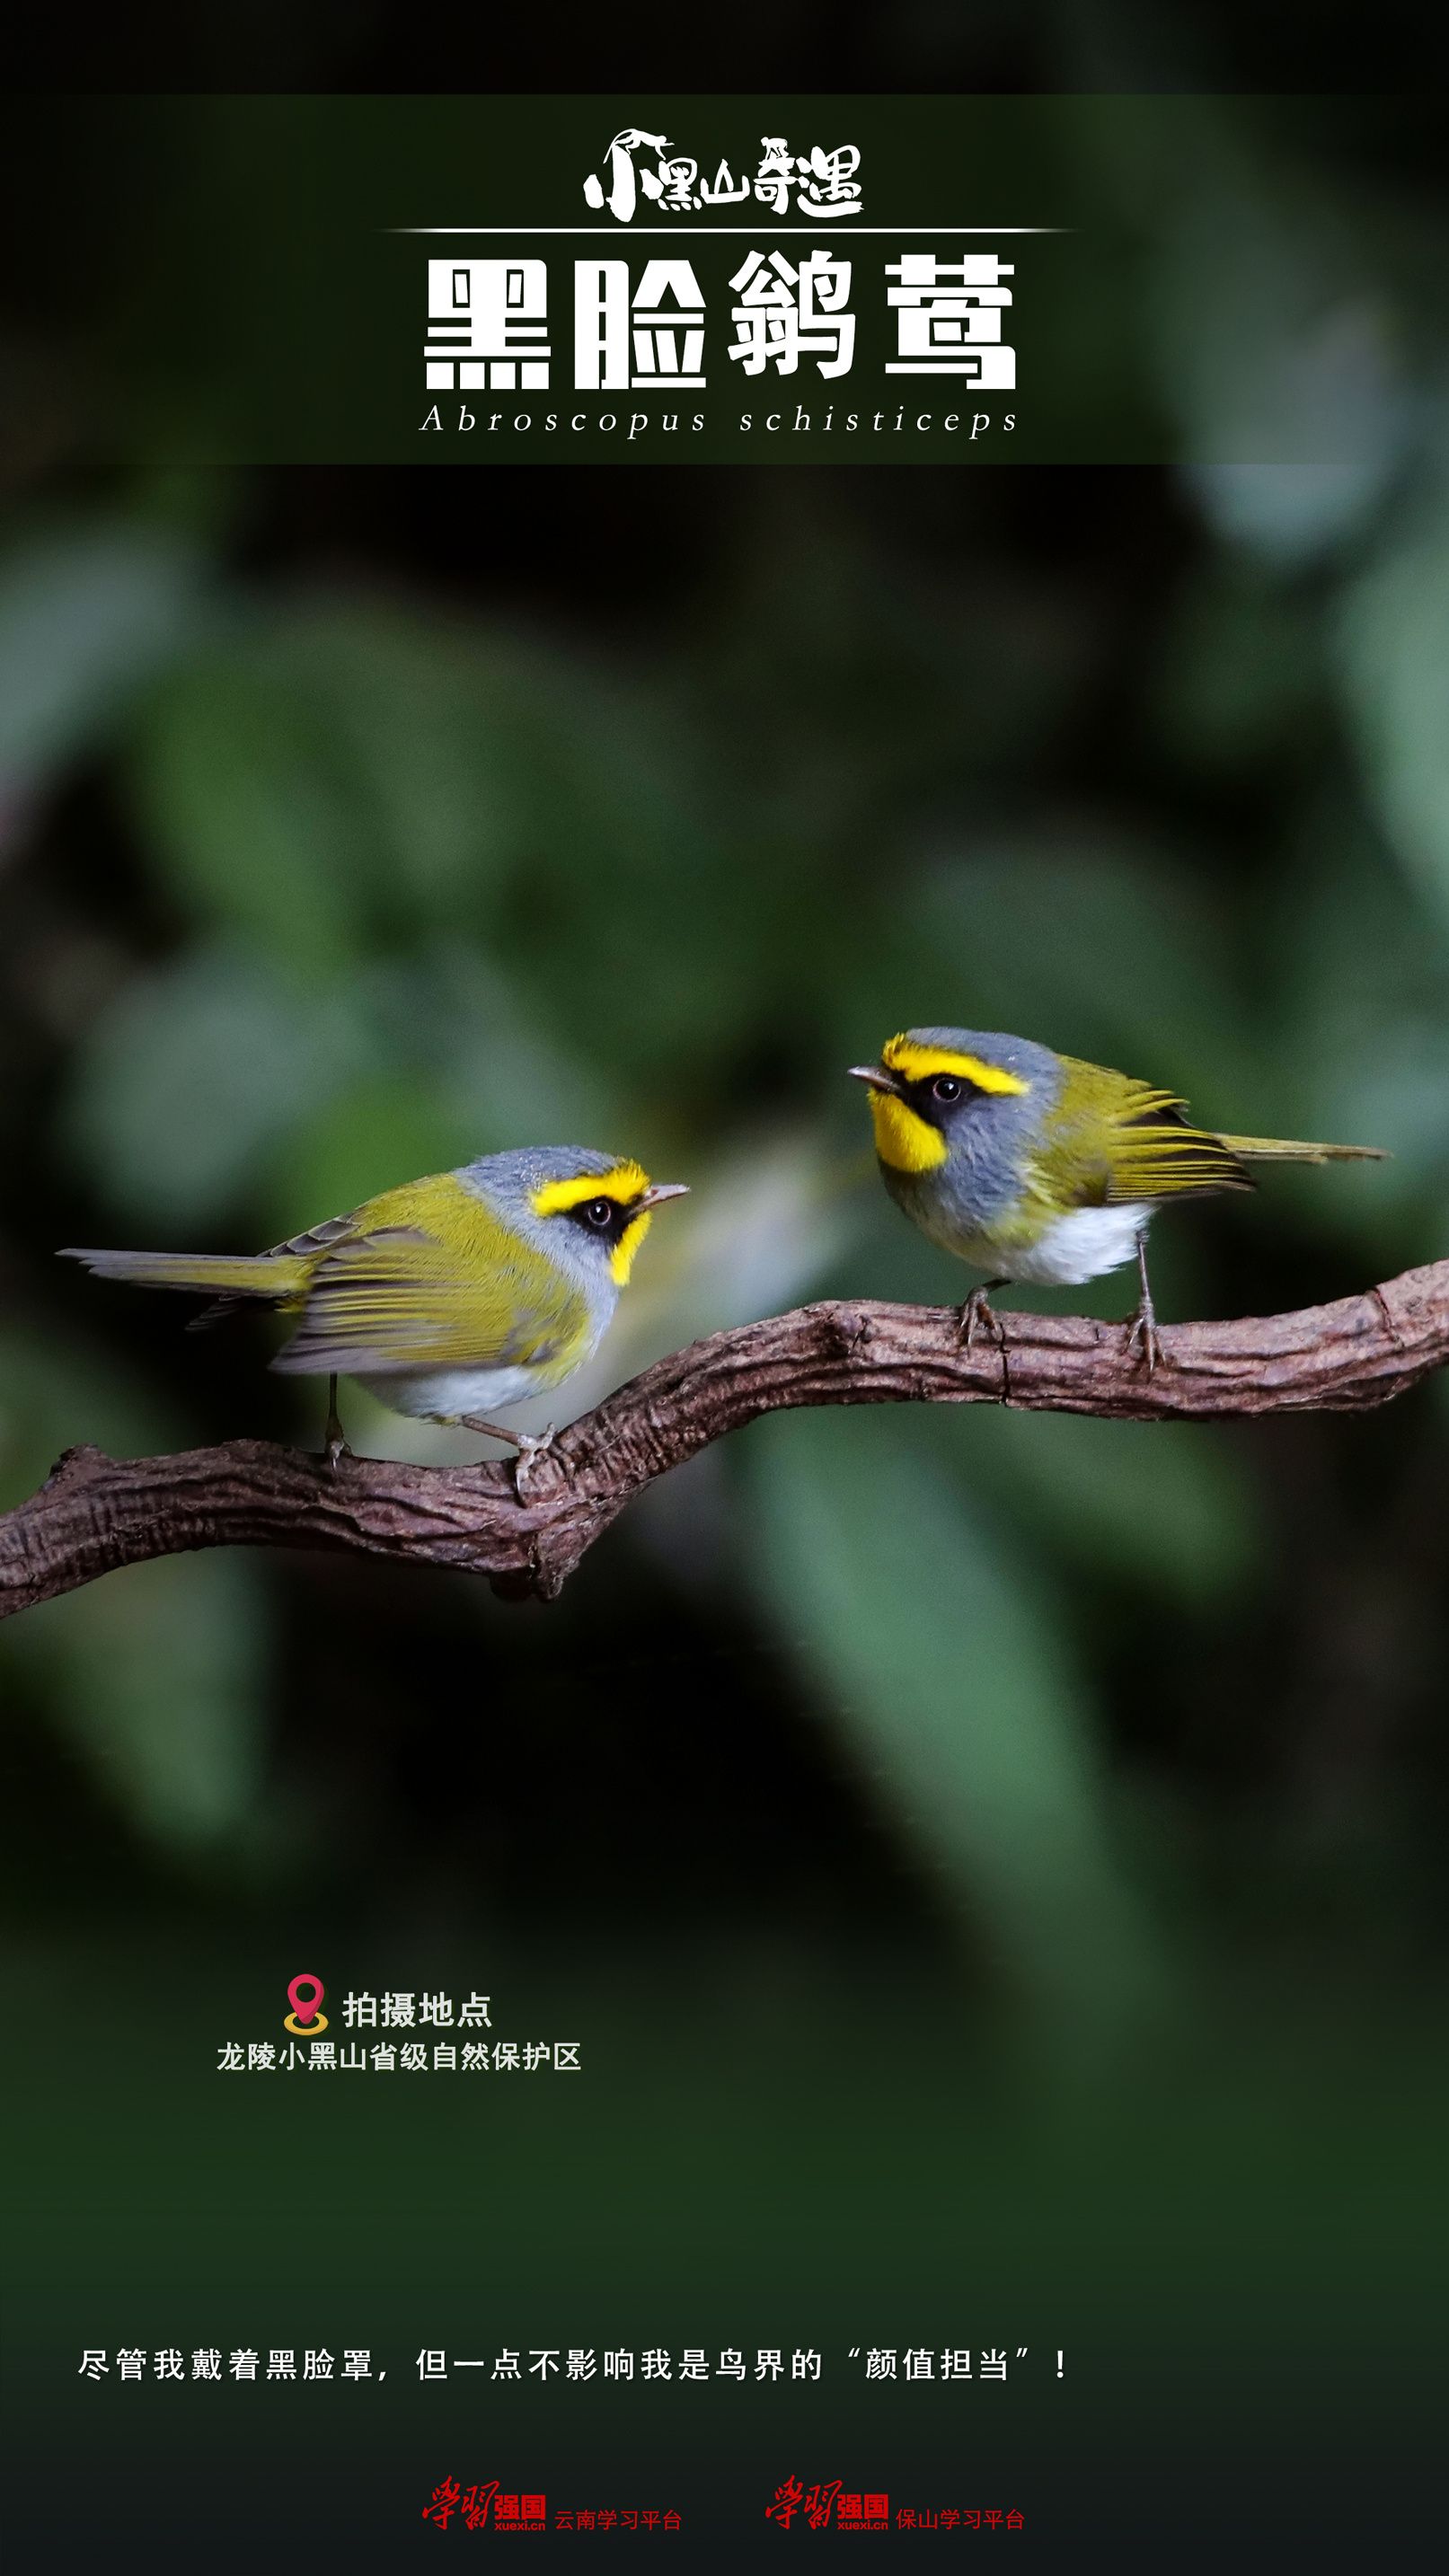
96 1512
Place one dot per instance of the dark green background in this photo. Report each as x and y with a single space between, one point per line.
1233 2270
995 1865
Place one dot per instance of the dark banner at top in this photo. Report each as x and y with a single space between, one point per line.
486 280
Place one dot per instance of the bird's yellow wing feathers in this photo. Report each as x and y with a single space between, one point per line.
427 1276
1115 1140
1155 1152
1112 1141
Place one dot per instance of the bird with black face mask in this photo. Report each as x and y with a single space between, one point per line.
1038 1167
447 1297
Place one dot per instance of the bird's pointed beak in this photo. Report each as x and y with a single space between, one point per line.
659 1191
877 1076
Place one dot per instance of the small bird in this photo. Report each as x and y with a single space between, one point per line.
448 1296
1035 1166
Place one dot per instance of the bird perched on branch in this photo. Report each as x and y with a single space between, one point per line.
1035 1166
449 1296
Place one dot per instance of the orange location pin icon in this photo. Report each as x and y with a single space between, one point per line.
305 2019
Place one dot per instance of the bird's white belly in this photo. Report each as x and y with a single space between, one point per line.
1083 1245
445 1395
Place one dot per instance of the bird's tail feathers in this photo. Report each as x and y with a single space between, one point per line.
271 1276
1288 1149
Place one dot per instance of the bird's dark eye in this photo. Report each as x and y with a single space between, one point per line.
601 1212
946 1087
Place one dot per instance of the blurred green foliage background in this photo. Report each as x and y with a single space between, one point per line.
994 1862
359 822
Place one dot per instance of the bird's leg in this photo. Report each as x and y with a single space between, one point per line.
334 1438
527 1444
978 1311
1142 1330
528 1450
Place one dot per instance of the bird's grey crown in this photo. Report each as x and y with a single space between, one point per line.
1035 1063
516 1174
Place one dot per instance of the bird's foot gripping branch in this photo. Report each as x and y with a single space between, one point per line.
96 1513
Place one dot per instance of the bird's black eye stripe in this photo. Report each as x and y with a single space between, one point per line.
936 1091
604 1218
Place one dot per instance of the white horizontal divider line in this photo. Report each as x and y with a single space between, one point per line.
720 232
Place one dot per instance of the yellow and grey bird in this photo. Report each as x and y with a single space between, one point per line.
448 1297
1035 1166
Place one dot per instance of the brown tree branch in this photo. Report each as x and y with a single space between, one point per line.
95 1512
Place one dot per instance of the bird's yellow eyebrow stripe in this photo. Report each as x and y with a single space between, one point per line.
917 1064
625 1181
